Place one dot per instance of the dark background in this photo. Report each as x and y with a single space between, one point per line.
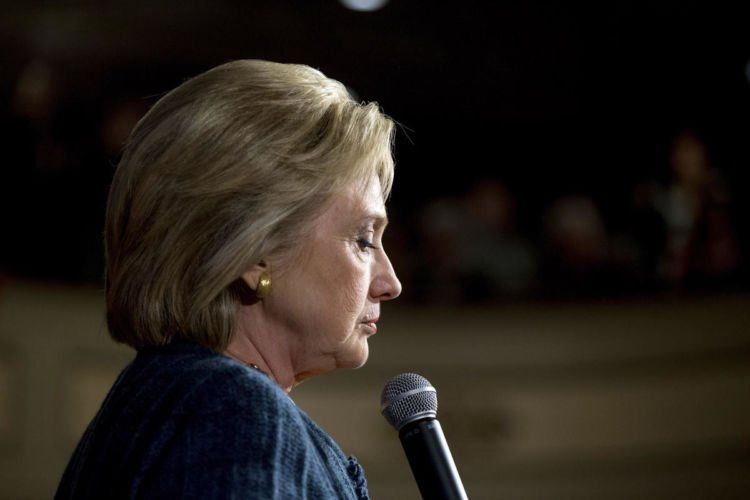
548 99
567 222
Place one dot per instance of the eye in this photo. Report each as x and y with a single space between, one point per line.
365 244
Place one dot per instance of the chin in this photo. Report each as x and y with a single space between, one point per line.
357 357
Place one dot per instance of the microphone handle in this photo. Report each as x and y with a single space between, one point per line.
431 461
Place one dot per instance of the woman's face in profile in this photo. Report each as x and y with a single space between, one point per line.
338 283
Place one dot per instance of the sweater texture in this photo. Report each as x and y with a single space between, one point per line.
182 421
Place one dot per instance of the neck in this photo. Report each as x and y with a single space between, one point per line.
263 349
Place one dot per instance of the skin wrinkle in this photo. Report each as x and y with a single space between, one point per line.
312 322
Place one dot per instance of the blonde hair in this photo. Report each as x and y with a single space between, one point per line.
225 170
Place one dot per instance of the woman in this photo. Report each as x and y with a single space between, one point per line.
244 254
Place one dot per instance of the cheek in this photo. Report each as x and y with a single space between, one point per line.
350 287
355 296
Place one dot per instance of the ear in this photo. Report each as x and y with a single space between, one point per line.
252 275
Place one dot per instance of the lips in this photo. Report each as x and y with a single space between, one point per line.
371 326
370 323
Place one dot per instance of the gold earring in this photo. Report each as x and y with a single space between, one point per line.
263 289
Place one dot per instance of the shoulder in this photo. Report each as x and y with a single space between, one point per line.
238 413
202 382
226 387
230 426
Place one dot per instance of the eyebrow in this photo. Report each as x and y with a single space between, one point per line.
381 219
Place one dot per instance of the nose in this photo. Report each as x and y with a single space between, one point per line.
385 285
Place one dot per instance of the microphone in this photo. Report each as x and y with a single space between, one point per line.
409 403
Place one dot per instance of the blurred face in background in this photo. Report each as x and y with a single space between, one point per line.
689 160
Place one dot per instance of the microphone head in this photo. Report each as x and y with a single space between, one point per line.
406 398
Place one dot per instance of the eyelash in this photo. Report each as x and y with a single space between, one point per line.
365 244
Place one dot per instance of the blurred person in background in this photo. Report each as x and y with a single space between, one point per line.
37 157
683 231
472 250
497 261
701 246
54 162
438 273
577 247
243 255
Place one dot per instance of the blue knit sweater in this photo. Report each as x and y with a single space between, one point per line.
184 422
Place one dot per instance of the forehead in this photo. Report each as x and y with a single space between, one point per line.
359 202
